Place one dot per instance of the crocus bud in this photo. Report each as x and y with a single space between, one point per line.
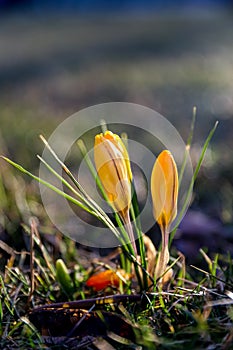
113 168
63 277
164 189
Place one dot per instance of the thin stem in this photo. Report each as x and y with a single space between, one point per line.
129 229
135 214
134 211
163 255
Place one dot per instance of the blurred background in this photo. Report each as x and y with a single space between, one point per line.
57 57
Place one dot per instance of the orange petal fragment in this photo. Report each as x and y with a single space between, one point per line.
108 278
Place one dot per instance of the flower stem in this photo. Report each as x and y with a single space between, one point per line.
163 255
129 229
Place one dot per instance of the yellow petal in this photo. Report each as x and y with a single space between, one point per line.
116 140
164 189
113 168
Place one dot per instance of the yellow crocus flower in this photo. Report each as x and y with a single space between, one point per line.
113 168
164 189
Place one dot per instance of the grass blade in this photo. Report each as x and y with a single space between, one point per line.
50 186
196 171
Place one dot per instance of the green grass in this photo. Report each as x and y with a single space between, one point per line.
196 315
45 267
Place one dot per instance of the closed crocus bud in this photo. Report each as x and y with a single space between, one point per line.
63 277
164 189
113 168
